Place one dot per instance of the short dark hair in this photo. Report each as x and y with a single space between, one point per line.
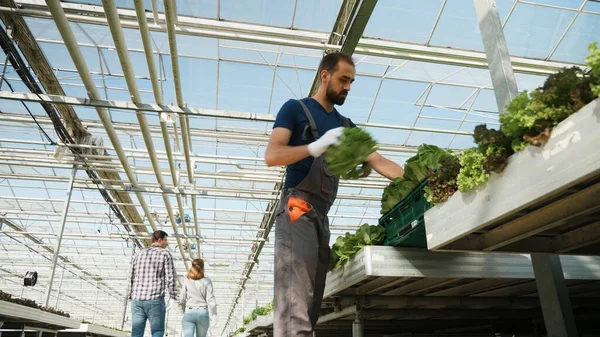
330 61
159 235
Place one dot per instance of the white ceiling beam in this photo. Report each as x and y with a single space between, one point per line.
286 37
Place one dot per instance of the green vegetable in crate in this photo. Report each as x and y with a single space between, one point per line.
427 158
416 169
348 245
344 160
395 192
443 182
472 172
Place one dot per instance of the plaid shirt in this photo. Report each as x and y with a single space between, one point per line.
152 272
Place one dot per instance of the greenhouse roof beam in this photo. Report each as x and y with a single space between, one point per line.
124 105
45 75
347 29
287 37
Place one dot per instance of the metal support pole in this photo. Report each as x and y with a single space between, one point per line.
60 236
357 325
126 297
496 51
4 71
554 296
62 275
95 304
244 306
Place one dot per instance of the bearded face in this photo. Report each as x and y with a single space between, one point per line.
339 81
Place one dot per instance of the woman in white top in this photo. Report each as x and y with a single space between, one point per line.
198 302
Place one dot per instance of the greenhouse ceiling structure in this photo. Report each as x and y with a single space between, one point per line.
121 117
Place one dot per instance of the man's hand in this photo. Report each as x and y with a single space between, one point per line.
170 303
331 137
366 169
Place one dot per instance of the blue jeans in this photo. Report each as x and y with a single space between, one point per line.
195 319
153 310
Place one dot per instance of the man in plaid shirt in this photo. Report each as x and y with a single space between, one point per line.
152 273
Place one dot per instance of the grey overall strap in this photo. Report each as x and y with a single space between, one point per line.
311 120
346 122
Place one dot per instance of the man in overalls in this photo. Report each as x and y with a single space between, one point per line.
303 130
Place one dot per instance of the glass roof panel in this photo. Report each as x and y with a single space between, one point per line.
197 8
406 21
592 6
486 100
583 32
458 27
361 99
199 85
417 138
316 14
575 4
446 95
396 103
248 92
529 82
266 12
532 31
288 84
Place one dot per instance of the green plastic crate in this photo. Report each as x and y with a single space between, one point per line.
405 222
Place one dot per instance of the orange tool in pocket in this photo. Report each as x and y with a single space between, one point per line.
297 207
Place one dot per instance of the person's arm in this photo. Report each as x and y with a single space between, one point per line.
211 301
170 275
183 296
130 277
279 153
384 166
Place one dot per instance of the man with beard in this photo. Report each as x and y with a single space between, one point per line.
304 129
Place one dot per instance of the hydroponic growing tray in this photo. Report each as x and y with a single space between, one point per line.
547 200
15 314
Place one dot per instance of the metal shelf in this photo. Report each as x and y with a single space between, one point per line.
87 329
15 314
415 288
545 201
261 325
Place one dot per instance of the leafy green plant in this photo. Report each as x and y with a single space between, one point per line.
416 169
593 61
344 160
427 158
472 172
260 311
348 245
442 183
239 331
397 190
495 146
531 116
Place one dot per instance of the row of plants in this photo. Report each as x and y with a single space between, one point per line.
30 303
348 245
529 120
260 311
